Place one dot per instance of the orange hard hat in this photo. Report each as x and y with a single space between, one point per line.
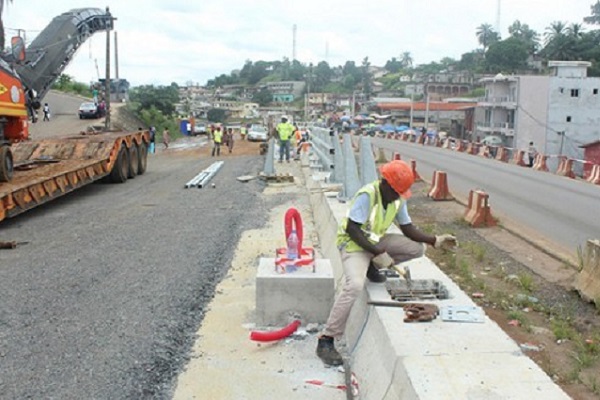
399 175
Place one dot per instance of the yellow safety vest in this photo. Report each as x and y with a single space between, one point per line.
217 135
285 130
378 222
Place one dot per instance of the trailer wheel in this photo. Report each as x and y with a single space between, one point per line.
121 168
142 158
133 161
6 164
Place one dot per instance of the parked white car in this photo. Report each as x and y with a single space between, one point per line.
257 133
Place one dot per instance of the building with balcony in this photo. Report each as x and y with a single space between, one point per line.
286 91
557 112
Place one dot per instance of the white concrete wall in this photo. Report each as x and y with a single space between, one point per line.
532 112
583 110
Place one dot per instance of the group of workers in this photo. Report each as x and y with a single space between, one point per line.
286 133
223 136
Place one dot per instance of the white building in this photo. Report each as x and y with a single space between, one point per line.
558 112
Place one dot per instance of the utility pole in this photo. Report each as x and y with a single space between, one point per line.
412 95
107 125
427 112
116 58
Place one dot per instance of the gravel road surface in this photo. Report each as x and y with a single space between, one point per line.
104 299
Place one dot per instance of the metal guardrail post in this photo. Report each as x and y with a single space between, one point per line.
269 169
338 160
322 148
368 171
351 179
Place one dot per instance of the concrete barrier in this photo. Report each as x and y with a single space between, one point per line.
587 282
460 146
502 154
594 175
565 168
439 187
519 158
539 164
478 212
413 165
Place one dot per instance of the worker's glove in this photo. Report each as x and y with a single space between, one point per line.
383 261
445 241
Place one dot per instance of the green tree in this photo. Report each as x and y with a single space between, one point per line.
593 19
366 78
217 115
524 33
507 56
322 76
263 97
406 60
556 30
486 36
393 65
162 98
471 61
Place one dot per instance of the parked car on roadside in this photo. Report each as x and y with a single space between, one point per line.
257 133
88 110
199 129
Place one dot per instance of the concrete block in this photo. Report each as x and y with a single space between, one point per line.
304 292
587 282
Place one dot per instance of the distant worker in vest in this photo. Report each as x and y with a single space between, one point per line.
217 137
366 247
285 131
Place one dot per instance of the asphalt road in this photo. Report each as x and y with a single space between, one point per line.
104 300
563 210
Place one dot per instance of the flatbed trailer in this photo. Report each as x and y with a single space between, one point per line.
47 169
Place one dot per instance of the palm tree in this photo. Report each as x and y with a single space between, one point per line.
2 25
486 35
406 60
595 17
575 30
556 30
527 35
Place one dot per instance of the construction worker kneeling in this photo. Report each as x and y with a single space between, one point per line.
366 247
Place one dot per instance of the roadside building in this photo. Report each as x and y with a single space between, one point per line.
557 112
591 154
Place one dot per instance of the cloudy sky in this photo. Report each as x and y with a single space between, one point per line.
192 41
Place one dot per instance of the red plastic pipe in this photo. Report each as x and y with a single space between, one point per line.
271 336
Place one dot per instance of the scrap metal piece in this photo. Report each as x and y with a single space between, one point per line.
462 314
420 312
417 289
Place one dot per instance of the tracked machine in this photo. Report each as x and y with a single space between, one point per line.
33 172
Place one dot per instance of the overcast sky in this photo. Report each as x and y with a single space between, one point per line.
192 41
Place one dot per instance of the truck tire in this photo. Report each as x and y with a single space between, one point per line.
142 158
121 168
6 164
133 161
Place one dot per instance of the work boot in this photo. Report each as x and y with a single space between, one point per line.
327 352
374 275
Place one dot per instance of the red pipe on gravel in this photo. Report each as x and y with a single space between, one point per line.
271 336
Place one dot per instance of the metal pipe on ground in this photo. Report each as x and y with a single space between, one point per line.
212 171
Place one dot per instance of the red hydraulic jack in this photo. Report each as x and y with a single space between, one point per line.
306 255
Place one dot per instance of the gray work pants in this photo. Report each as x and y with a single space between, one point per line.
355 265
